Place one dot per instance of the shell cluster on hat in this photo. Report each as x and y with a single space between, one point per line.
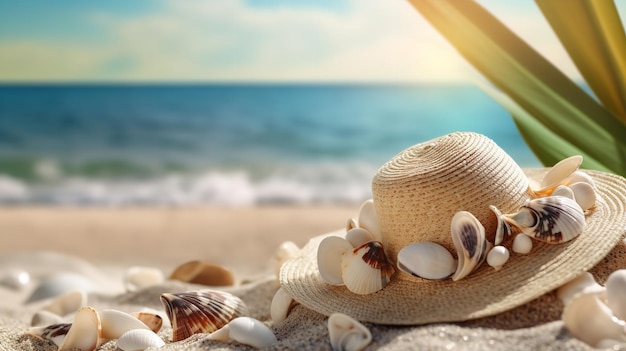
554 214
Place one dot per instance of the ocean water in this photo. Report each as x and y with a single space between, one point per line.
224 144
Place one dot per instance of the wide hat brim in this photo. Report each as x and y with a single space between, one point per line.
483 293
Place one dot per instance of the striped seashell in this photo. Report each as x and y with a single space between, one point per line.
54 332
201 311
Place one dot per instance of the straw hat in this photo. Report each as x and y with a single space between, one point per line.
416 195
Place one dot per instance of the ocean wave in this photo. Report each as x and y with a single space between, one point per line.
310 184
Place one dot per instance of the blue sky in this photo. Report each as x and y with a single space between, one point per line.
241 40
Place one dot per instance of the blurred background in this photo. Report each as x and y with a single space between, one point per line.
232 102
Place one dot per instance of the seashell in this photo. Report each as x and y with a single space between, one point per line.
252 332
584 194
329 254
285 251
616 293
365 269
358 236
138 339
66 303
426 260
200 311
368 219
222 334
53 332
497 257
15 279
85 331
115 323
590 320
60 284
559 174
564 190
347 334
152 320
281 305
45 318
522 244
468 236
204 273
503 229
136 278
552 219
581 177
584 283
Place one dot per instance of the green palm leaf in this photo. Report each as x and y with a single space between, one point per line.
544 93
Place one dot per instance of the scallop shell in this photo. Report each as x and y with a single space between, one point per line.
200 311
552 219
366 269
347 334
468 236
138 339
204 273
426 260
329 254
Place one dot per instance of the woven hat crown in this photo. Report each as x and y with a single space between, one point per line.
418 191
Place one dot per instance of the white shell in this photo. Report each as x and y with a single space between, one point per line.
281 305
468 236
368 219
137 278
351 224
347 334
152 320
580 176
564 190
584 194
138 339
85 331
252 332
54 332
426 260
358 236
616 293
522 244
116 323
222 334
365 269
329 255
66 303
497 257
590 320
583 284
559 174
45 318
552 219
285 251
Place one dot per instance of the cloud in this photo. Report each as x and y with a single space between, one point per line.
228 40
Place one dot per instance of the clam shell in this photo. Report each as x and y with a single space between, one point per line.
138 339
347 334
616 293
85 331
252 332
203 273
358 236
552 219
201 311
563 190
468 236
151 320
366 269
281 305
53 332
584 194
559 174
580 176
584 283
116 323
426 260
329 255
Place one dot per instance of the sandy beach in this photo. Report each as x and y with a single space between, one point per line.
244 240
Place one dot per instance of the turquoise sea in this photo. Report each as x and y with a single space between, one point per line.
224 144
